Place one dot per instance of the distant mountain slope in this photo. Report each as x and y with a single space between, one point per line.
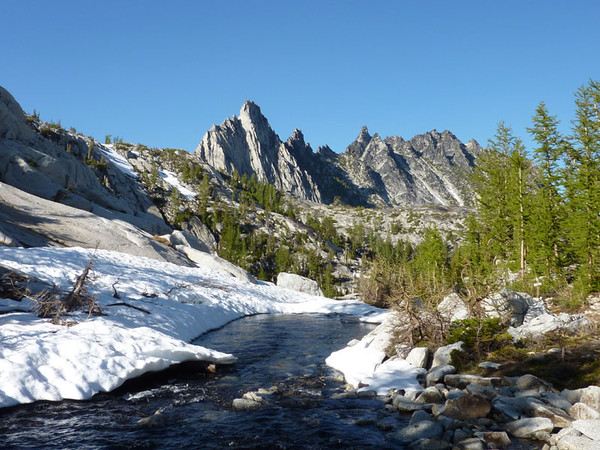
431 168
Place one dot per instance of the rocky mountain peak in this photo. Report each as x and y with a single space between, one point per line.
249 146
296 139
250 109
363 137
427 169
361 142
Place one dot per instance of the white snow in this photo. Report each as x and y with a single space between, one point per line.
42 361
172 179
119 161
393 374
364 365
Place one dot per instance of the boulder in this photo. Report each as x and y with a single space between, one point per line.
467 407
420 416
588 427
555 400
430 395
531 382
215 263
582 411
529 428
496 439
243 404
442 355
489 365
486 392
559 418
418 357
461 381
507 306
572 396
546 323
452 308
471 444
405 405
591 397
201 232
508 409
187 239
427 429
298 283
438 373
577 443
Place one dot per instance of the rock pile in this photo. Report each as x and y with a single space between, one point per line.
476 412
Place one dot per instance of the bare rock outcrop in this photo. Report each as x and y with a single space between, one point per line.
428 169
50 162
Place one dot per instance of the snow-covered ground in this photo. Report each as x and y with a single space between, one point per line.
109 152
172 179
42 361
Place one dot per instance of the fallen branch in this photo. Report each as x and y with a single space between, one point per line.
139 308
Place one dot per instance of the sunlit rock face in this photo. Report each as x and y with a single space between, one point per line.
431 168
249 145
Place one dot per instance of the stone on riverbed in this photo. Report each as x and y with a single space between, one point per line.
438 373
583 411
466 407
588 427
530 428
430 395
245 404
461 381
405 405
422 427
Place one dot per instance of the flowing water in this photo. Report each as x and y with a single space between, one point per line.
195 406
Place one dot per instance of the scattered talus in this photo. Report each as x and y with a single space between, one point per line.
431 168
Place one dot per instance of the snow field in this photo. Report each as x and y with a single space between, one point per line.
42 361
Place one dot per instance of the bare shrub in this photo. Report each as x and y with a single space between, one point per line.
55 304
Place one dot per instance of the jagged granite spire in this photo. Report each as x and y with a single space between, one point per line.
430 168
249 145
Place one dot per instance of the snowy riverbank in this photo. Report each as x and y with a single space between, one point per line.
171 306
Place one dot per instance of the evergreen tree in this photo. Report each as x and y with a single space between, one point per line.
547 208
492 184
582 184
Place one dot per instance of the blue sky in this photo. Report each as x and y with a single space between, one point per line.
161 73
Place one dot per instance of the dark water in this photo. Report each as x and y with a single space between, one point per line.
284 351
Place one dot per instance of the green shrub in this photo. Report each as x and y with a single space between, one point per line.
478 335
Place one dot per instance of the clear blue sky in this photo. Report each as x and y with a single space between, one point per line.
161 73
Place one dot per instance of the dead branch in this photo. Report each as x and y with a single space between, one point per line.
116 294
139 308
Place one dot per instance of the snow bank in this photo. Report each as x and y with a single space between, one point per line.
41 361
119 161
172 179
363 366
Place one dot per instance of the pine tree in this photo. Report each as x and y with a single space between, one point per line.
491 181
547 208
583 184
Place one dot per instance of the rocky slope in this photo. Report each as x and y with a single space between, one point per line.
429 169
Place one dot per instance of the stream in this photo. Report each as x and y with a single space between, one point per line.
286 351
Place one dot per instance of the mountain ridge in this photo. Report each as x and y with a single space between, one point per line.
429 168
